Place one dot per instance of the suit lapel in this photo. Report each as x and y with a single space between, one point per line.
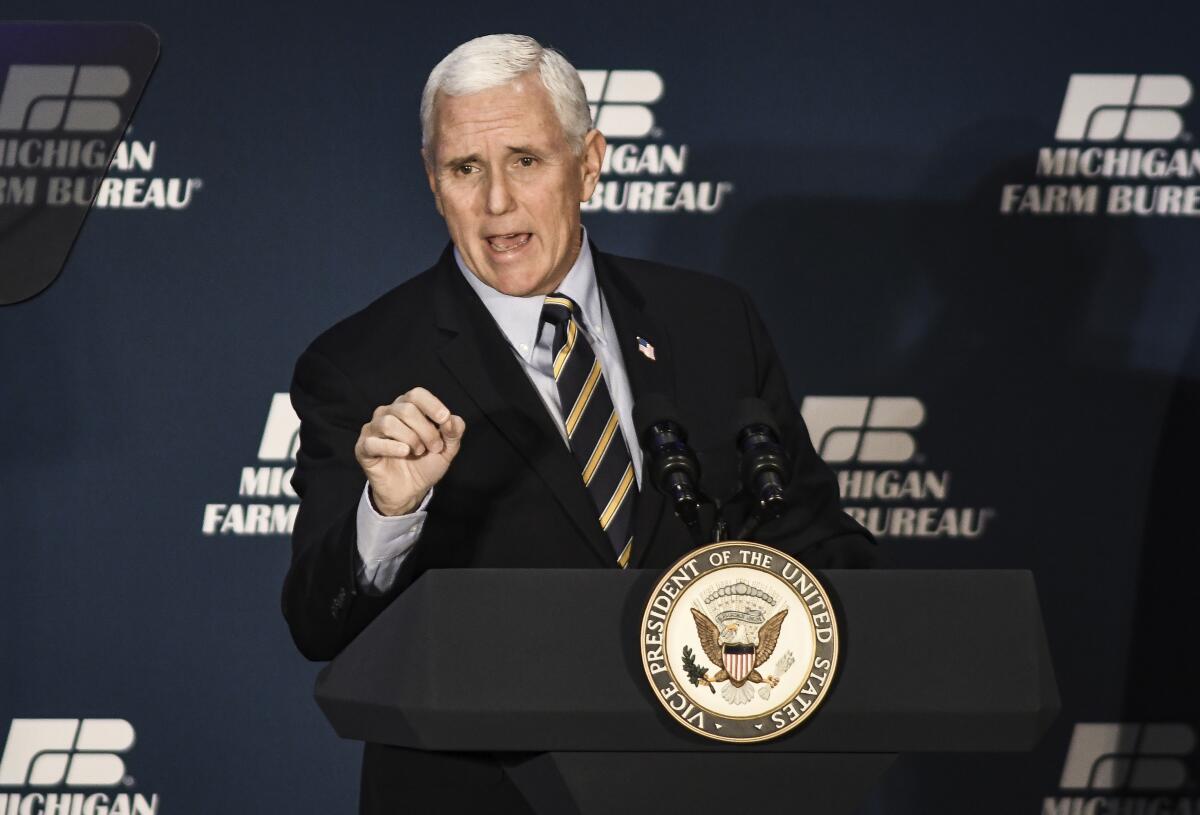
646 376
480 358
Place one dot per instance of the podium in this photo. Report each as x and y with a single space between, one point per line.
543 667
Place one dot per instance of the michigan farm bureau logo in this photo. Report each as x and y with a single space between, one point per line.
44 754
1128 767
269 480
871 443
57 126
637 175
1140 112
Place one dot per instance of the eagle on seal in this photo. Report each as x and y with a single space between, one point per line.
739 662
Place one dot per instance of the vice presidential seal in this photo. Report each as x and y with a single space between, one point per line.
739 642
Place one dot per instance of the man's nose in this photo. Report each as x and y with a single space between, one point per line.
499 197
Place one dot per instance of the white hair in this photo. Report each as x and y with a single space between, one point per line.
497 59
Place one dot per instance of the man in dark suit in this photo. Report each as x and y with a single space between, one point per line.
480 414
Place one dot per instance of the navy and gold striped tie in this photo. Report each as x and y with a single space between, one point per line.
593 429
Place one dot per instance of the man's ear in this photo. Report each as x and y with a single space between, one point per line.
594 145
431 177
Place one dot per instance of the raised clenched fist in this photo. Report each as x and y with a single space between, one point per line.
406 448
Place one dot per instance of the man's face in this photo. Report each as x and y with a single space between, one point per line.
509 185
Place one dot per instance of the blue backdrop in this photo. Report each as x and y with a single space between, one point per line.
879 177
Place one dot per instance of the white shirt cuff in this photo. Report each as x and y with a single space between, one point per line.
384 541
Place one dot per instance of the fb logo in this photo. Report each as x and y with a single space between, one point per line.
1128 756
1107 107
281 435
83 753
618 101
67 97
873 430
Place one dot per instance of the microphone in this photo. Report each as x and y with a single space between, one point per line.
672 465
762 461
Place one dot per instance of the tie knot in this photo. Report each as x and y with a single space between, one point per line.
558 309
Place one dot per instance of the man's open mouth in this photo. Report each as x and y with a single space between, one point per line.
509 242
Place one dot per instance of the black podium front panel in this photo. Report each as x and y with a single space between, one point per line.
542 660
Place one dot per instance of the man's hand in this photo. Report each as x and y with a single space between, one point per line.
406 448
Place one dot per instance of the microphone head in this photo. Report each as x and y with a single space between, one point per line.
753 411
652 409
672 464
763 461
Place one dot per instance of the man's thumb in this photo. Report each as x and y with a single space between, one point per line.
453 433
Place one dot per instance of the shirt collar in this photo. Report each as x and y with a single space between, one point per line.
519 317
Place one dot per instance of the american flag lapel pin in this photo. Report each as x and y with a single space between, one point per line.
646 349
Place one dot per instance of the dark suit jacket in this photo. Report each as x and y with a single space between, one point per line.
513 497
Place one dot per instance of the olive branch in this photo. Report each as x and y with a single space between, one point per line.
695 673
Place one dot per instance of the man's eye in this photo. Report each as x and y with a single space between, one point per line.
527 161
465 169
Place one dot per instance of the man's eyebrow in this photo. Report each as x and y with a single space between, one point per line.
460 160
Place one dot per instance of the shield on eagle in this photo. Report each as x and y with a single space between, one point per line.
738 661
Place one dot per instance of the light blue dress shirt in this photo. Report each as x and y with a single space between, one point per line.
384 541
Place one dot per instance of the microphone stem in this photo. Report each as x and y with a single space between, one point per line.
720 527
686 505
748 527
